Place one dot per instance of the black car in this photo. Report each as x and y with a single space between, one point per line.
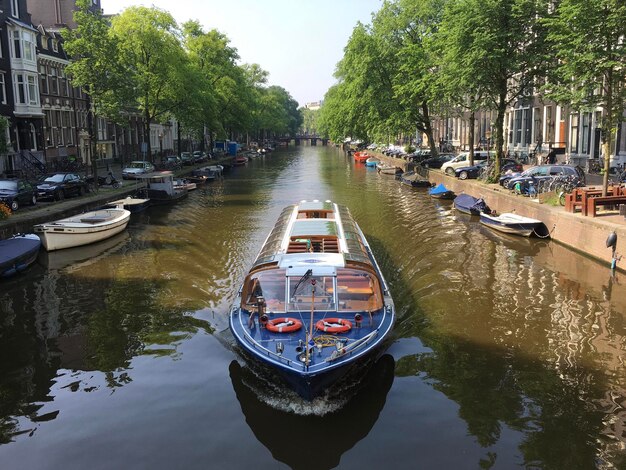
474 171
436 162
540 172
14 193
61 185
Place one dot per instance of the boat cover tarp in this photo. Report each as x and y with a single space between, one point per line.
439 189
14 248
465 201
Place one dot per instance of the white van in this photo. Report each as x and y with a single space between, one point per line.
462 160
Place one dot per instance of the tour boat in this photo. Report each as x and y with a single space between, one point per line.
17 253
315 305
511 223
82 229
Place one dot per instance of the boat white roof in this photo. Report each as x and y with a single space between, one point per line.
314 234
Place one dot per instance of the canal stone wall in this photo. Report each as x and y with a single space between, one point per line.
586 235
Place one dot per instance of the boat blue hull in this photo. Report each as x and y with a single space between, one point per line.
19 253
307 383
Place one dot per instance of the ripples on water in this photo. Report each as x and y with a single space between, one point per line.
508 351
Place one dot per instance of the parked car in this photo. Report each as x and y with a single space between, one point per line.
198 156
540 172
461 160
136 168
14 193
61 185
186 158
438 161
507 164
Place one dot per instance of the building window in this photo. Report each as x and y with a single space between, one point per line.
17 45
574 136
54 84
15 8
20 89
44 79
585 133
55 45
48 128
3 89
29 45
33 95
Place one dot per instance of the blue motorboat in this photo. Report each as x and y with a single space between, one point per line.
17 253
315 306
470 205
441 192
372 161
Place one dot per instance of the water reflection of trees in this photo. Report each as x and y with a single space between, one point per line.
57 322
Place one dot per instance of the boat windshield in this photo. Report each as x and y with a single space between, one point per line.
358 291
270 285
317 292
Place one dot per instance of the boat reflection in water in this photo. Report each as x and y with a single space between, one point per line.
324 439
73 259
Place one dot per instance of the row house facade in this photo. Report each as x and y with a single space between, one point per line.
21 103
535 124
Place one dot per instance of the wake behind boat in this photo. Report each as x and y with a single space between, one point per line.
315 304
82 229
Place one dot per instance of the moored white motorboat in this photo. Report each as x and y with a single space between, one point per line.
315 304
131 204
82 229
511 223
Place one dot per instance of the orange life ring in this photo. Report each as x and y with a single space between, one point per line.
283 325
334 325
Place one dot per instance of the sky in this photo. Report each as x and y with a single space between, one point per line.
299 42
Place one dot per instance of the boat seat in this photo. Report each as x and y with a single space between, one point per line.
94 220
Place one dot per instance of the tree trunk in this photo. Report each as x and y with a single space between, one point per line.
607 134
500 131
428 130
93 132
472 121
147 136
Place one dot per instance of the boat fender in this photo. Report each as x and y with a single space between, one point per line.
334 325
283 325
263 319
358 318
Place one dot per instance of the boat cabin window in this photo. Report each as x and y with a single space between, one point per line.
313 245
317 292
358 290
316 214
270 285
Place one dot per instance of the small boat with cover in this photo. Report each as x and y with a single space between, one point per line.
17 253
372 161
441 192
470 205
82 229
411 178
315 305
511 223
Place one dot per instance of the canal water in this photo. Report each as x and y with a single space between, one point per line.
507 352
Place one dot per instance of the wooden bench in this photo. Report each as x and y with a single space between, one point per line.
594 202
